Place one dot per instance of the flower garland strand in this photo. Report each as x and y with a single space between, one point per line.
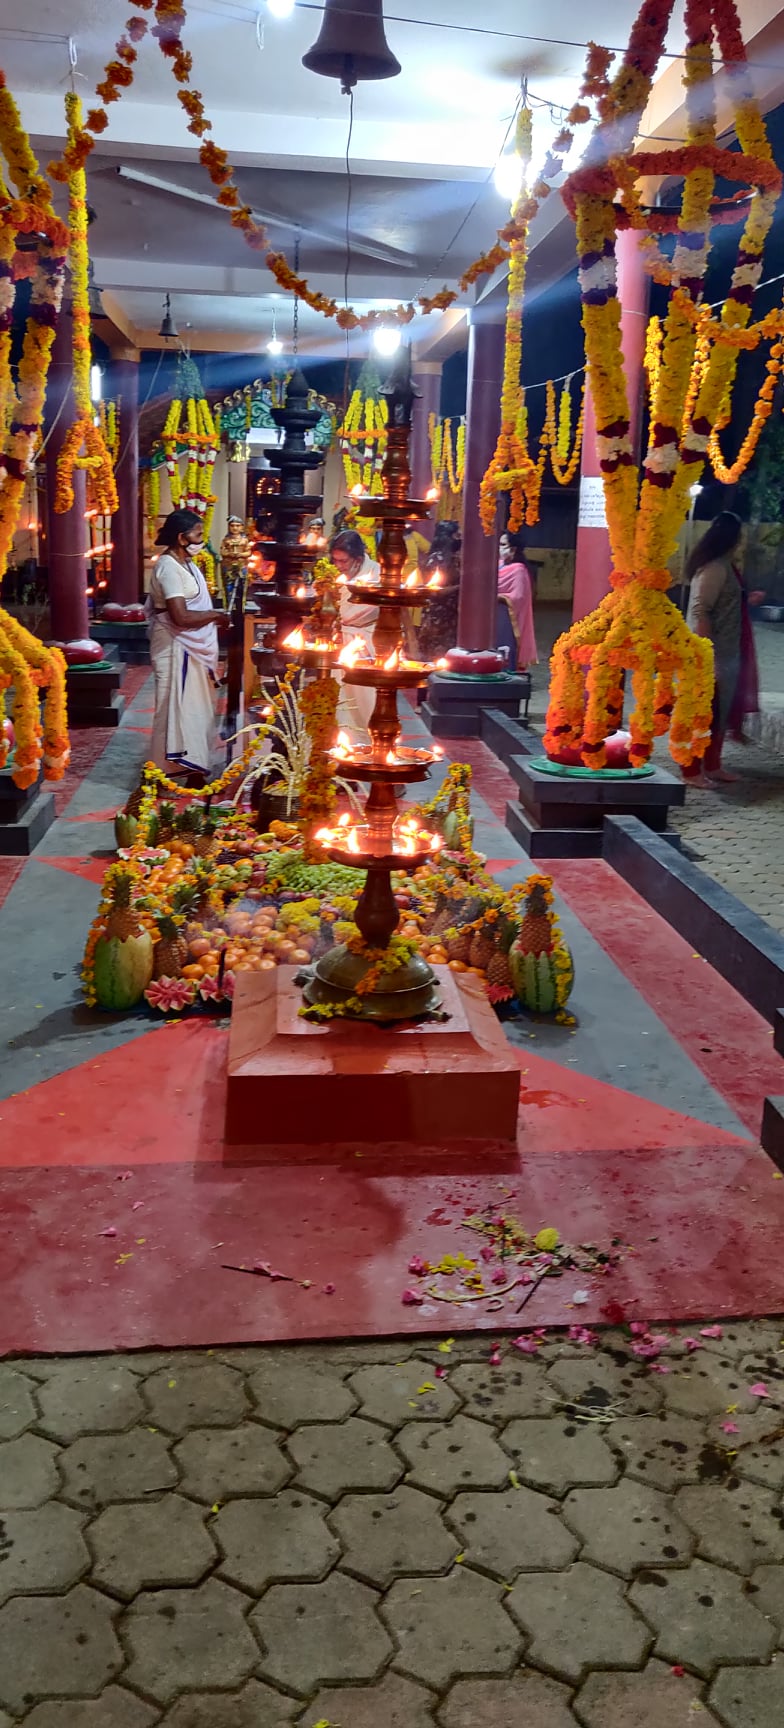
636 628
511 468
84 445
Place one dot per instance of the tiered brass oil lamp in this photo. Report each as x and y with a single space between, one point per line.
387 840
289 598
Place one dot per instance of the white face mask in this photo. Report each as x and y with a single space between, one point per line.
194 548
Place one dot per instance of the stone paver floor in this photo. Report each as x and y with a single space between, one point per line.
397 1535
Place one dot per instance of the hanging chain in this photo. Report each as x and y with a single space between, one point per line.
295 330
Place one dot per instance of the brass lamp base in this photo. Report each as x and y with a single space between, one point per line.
404 993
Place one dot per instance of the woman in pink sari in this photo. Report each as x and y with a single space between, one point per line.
514 586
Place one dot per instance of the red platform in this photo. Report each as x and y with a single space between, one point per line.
292 1081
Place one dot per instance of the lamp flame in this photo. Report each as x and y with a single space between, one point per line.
437 579
392 664
342 745
353 841
442 665
302 592
352 652
432 494
295 640
357 491
344 820
437 753
413 580
391 758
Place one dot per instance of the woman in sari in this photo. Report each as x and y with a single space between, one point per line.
183 650
718 609
514 585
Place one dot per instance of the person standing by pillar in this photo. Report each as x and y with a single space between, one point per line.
593 563
125 581
66 535
479 575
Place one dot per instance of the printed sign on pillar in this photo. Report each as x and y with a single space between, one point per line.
592 512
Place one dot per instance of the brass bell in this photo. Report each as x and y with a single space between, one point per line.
352 45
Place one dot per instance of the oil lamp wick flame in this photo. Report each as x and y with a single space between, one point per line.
294 640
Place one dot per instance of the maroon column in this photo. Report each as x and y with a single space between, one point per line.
593 564
426 377
479 559
66 535
125 582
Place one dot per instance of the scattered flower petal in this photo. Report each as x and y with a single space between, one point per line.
445 1346
109 1231
528 1345
660 1368
759 1390
329 1289
418 1266
499 1276
678 1671
730 1428
711 1332
411 1299
547 1240
514 1479
692 1344
580 1297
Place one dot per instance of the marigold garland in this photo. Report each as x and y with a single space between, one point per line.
511 468
636 629
84 445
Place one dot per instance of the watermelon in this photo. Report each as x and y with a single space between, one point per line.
126 829
122 969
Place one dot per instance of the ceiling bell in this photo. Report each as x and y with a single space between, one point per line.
352 45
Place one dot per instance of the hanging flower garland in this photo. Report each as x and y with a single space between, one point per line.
564 461
84 445
362 437
512 469
636 629
447 454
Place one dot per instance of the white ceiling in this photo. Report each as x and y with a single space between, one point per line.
423 147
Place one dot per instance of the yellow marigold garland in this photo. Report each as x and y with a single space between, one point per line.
512 469
84 445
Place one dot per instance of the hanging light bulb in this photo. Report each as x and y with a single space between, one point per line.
281 8
274 346
508 176
386 340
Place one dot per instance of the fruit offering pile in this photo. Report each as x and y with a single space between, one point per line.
198 895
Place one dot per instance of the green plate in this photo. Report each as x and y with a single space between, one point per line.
543 765
95 666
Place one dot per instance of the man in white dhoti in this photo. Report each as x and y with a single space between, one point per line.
357 619
183 650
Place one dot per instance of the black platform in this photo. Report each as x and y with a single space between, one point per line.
24 817
94 694
131 641
454 706
561 817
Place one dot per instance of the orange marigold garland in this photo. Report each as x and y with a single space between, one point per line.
636 629
512 469
84 445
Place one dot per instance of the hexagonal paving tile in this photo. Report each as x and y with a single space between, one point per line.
57 1647
450 1627
628 1526
740 1526
651 1699
455 1455
41 1551
188 1640
511 1531
17 1409
594 1383
221 1463
705 1384
527 1700
28 1473
385 1536
333 1458
291 1390
557 1455
256 1706
749 1697
115 1708
394 1703
405 1392
210 1396
100 1470
518 1388
142 1546
577 1620
88 1398
702 1617
263 1541
314 1634
665 1450
766 1591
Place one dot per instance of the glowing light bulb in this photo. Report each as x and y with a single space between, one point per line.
281 8
274 346
508 176
386 340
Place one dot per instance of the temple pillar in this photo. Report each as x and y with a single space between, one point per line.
238 490
593 564
125 582
479 563
67 536
426 378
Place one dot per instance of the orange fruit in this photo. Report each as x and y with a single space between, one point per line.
194 971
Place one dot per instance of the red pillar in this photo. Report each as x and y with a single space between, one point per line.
125 582
479 559
66 535
593 563
426 377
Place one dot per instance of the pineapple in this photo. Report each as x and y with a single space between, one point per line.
166 820
122 919
123 957
482 948
204 842
458 945
536 936
171 949
499 972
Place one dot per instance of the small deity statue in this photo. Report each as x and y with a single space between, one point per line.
236 548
